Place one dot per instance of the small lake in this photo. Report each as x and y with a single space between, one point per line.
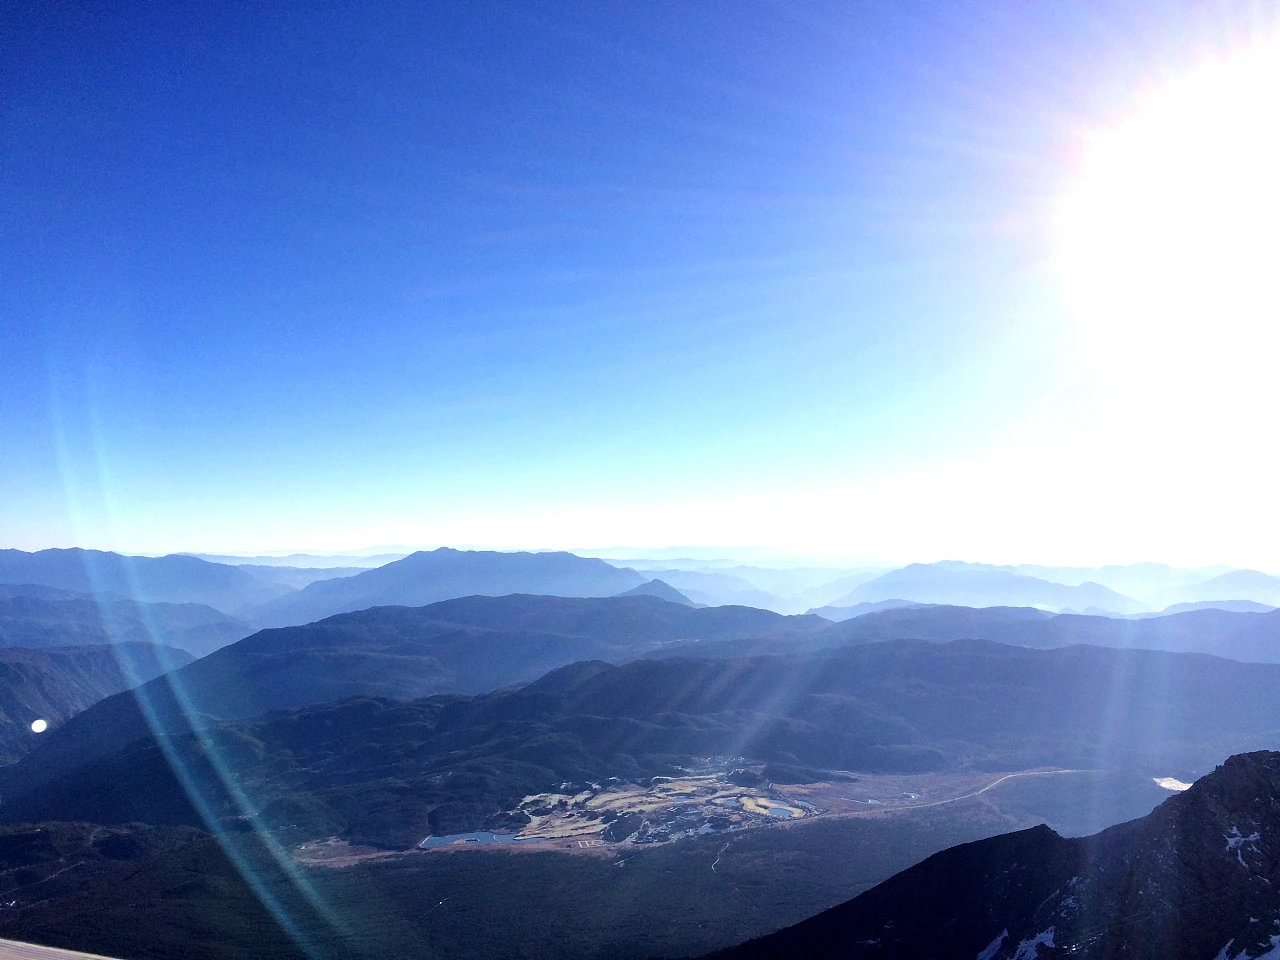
444 841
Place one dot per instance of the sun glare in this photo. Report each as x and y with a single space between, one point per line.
1169 236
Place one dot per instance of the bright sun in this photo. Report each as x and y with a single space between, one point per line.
1169 237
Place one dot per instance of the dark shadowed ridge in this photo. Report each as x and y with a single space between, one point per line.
54 685
389 772
468 645
1194 880
430 576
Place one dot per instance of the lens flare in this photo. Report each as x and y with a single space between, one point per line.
1169 237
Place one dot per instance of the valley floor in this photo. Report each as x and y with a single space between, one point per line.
625 901
603 818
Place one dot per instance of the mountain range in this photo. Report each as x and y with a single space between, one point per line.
1196 879
268 592
429 576
383 725
55 684
307 561
176 578
1246 636
1241 636
656 588
782 589
1125 590
838 614
979 585
387 772
38 616
476 644
1236 585
295 578
470 645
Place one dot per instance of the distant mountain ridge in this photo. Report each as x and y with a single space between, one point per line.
39 616
295 578
1235 606
176 578
1152 586
657 588
980 585
431 576
305 561
861 609
1193 880
716 588
1250 637
1241 636
1236 585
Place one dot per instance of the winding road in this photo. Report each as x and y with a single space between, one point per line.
968 796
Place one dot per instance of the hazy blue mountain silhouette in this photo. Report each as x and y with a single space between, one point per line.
295 578
39 616
860 609
1251 637
634 622
1235 606
980 585
173 579
1241 636
1143 581
717 588
657 588
1235 585
430 576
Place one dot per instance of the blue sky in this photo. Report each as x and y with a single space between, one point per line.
274 276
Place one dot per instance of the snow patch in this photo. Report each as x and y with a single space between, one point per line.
1027 948
994 946
1234 839
1168 783
1273 952
1236 842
